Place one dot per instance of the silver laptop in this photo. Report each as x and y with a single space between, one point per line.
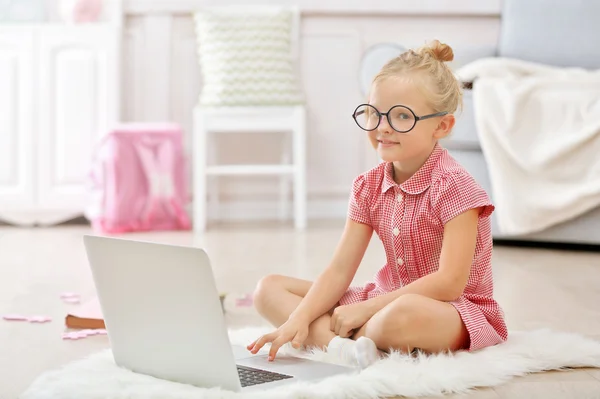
164 318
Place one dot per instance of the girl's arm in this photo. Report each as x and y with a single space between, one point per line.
448 283
333 282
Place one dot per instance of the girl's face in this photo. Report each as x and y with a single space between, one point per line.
393 146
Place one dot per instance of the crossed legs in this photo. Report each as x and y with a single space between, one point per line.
411 321
276 297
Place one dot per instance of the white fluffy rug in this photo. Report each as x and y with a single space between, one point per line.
97 377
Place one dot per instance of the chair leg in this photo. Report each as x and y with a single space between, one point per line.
284 181
199 151
300 191
212 181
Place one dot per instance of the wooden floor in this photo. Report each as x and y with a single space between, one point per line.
537 288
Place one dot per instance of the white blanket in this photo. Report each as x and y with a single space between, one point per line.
539 128
97 377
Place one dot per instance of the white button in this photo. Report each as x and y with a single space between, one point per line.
400 261
399 198
396 231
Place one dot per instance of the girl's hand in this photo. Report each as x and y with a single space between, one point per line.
347 318
294 330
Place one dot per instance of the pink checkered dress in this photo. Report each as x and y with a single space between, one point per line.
409 219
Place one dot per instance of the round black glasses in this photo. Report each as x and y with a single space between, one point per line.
400 118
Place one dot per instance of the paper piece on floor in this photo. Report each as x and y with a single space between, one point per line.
15 317
70 297
98 331
39 319
31 319
75 335
245 301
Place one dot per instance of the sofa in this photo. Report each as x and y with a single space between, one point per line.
553 32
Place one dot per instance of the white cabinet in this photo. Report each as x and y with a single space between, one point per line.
59 93
77 90
16 121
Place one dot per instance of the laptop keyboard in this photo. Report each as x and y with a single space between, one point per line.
250 376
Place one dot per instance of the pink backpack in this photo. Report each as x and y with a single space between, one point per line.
138 180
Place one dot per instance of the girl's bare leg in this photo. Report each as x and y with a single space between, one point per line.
416 322
276 297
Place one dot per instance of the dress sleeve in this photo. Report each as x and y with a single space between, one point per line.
456 193
358 205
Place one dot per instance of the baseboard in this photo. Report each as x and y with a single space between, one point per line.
333 208
232 210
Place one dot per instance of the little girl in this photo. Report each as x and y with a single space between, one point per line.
435 292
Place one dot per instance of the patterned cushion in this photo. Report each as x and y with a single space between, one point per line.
246 57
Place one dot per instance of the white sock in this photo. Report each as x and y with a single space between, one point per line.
366 352
342 348
362 352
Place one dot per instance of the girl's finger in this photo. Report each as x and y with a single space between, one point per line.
299 339
338 325
262 341
257 345
275 347
251 345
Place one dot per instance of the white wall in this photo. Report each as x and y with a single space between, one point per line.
161 81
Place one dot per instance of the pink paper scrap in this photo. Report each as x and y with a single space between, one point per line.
245 301
75 335
31 319
39 319
14 317
65 295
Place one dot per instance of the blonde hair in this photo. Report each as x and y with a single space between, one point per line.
440 86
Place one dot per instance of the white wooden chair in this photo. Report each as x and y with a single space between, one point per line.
289 120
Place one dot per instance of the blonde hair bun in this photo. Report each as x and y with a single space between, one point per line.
440 51
440 86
